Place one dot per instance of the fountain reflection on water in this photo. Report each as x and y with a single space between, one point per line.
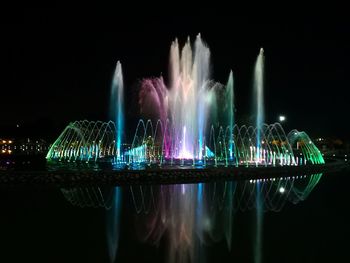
193 215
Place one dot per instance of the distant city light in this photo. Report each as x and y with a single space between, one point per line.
282 118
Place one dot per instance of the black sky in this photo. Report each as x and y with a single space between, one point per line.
56 65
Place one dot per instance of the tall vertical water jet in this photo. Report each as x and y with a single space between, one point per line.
188 97
230 113
200 78
117 109
259 99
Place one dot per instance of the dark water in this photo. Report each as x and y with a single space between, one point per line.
213 222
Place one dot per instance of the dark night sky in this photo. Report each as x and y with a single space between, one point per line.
56 66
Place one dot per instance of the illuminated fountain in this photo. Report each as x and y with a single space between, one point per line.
95 141
193 123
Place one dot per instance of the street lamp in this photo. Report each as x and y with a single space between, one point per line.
281 118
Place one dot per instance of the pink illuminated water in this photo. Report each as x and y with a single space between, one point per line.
187 101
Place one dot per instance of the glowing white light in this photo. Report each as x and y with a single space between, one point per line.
282 190
282 118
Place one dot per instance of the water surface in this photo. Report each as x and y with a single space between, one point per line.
213 222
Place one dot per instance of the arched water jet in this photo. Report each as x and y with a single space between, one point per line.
95 142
